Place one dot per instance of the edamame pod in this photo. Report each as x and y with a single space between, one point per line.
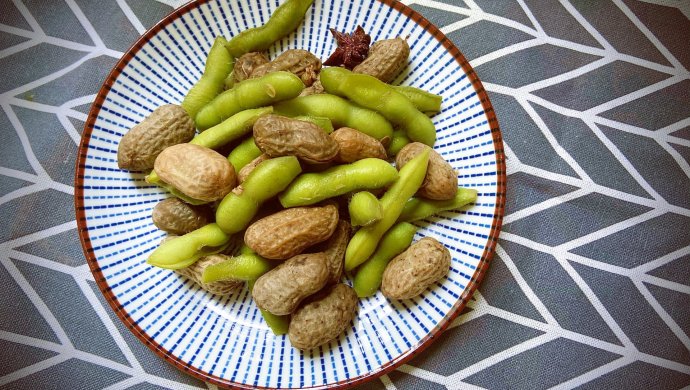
252 93
341 112
398 141
269 178
364 209
283 21
372 93
183 251
365 174
364 242
242 267
420 208
424 101
244 153
230 129
395 241
218 65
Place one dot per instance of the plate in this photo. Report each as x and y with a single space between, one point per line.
224 340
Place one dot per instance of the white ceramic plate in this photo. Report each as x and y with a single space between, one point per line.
224 340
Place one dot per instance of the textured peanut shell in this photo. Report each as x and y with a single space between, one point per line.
166 126
247 169
281 289
278 136
334 249
413 271
440 182
198 172
314 89
290 231
196 271
297 61
177 217
323 318
246 64
386 59
355 145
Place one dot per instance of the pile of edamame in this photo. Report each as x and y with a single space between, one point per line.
377 198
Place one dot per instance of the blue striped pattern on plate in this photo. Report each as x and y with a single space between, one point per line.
225 339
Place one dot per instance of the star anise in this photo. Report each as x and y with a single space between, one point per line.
352 48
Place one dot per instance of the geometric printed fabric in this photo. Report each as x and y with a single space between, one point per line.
590 284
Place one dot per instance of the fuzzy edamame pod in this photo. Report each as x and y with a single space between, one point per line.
364 209
341 112
364 242
283 21
218 65
269 178
365 174
252 93
374 94
244 153
398 141
395 241
247 266
424 101
183 251
420 208
230 129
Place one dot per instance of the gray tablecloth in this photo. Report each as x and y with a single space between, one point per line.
590 285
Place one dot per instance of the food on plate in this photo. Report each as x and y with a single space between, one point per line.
305 204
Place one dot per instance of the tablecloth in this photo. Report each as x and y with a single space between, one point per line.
590 283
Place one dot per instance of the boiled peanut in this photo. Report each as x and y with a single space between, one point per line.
166 126
355 145
290 231
297 61
386 59
281 289
196 171
323 317
177 217
196 270
334 249
440 182
277 136
413 271
246 64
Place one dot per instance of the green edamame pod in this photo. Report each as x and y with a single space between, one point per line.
242 267
269 178
183 251
341 112
244 153
424 101
153 178
218 65
372 93
320 121
364 209
398 141
279 324
419 208
364 242
282 22
252 93
395 241
230 129
365 174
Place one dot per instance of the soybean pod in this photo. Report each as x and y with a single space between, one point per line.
395 241
364 242
252 93
341 112
183 251
424 101
364 209
420 208
230 129
398 141
218 65
372 93
283 21
247 266
244 153
269 178
365 174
